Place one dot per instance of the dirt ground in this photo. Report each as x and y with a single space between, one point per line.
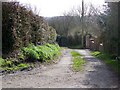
95 75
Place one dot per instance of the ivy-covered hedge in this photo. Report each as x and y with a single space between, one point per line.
21 26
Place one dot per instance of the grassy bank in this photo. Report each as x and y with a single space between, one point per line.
78 61
29 55
108 59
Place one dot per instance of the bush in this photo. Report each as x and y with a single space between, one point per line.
41 53
30 53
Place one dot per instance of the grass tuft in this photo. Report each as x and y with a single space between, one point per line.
75 54
78 61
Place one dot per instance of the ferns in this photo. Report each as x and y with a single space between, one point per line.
29 54
42 53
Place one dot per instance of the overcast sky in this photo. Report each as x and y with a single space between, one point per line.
49 8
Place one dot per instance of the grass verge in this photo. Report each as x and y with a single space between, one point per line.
78 61
114 64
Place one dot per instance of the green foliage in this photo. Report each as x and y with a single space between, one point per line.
101 55
45 53
30 53
78 61
10 65
22 26
42 53
21 66
5 62
1 61
21 56
96 53
75 54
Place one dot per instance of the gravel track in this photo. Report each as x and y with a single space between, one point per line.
60 75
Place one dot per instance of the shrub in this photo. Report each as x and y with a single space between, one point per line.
41 53
30 53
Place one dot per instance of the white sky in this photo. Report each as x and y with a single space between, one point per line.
49 8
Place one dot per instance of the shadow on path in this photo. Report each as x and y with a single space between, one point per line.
97 74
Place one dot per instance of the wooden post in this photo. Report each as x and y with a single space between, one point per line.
82 23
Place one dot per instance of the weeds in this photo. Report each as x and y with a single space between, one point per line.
78 61
9 65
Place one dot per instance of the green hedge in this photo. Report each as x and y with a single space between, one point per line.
21 26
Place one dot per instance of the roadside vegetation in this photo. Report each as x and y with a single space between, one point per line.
29 55
78 61
109 60
17 35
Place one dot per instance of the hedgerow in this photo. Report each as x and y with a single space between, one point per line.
22 26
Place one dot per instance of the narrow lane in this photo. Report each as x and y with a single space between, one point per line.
95 75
